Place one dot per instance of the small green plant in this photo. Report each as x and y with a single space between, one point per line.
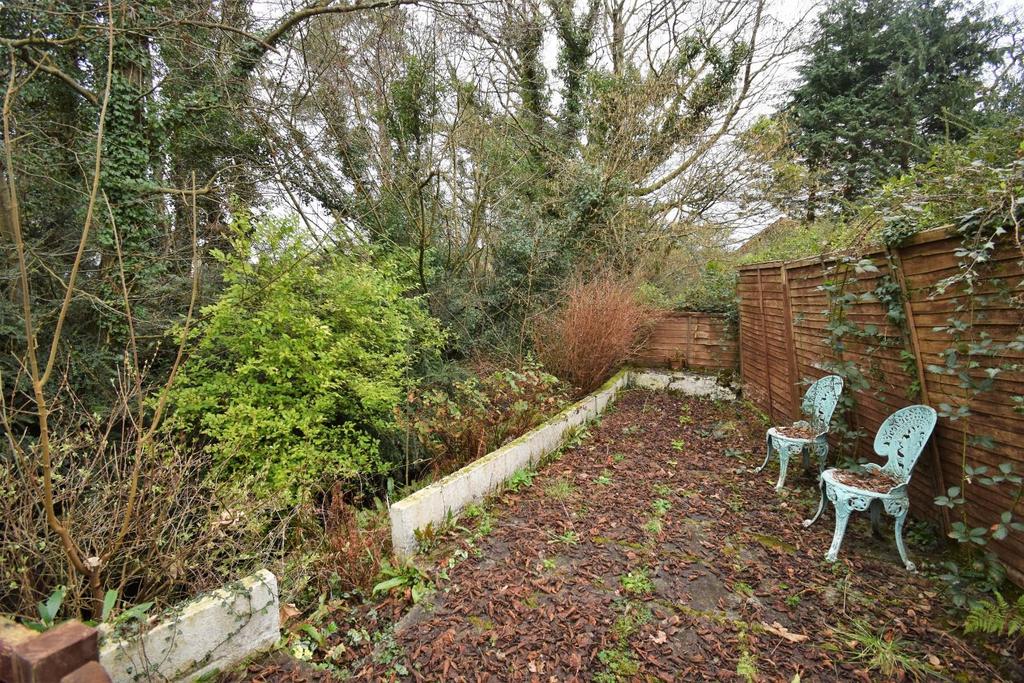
635 616
746 667
883 652
793 600
604 479
559 488
663 490
427 537
744 589
569 537
521 479
622 665
548 564
637 582
618 457
407 577
48 610
678 444
485 520
999 617
620 662
654 526
661 506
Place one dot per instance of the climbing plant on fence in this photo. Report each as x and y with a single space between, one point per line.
935 318
974 359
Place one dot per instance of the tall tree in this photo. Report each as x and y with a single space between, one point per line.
884 78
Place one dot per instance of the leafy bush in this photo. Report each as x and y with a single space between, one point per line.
300 363
980 174
594 332
473 417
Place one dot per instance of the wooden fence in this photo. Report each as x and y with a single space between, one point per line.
901 329
701 341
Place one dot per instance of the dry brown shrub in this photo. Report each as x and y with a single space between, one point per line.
185 536
358 542
599 325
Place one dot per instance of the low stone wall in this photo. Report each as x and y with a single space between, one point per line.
211 633
442 499
434 504
685 382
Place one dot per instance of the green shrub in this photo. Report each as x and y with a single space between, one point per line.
461 423
300 363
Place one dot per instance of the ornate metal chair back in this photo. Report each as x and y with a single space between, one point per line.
820 401
902 437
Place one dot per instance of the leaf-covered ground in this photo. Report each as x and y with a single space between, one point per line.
649 551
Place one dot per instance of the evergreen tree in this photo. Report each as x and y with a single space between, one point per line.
884 78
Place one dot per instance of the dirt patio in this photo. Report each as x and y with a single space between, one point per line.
649 551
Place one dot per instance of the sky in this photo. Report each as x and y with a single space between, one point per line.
788 12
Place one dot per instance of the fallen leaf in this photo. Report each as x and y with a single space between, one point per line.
659 637
781 631
289 611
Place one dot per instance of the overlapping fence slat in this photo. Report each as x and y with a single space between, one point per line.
784 343
691 339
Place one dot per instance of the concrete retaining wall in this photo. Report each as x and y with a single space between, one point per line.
688 383
212 632
433 504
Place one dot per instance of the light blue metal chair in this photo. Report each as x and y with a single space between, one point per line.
818 405
900 440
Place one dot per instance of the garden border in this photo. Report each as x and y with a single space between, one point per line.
212 632
438 502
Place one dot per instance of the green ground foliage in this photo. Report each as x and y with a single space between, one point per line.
298 366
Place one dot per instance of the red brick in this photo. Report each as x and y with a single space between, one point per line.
12 634
92 672
51 655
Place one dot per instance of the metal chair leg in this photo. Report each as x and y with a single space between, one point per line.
842 517
821 503
900 519
783 466
767 455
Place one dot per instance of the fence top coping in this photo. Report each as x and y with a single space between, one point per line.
923 237
689 314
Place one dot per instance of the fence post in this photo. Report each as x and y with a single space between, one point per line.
767 355
787 309
939 480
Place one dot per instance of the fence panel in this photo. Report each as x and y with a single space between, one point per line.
900 332
690 339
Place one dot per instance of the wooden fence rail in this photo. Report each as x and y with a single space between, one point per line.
786 309
691 339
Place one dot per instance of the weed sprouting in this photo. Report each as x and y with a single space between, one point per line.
883 652
520 479
566 538
559 488
637 582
